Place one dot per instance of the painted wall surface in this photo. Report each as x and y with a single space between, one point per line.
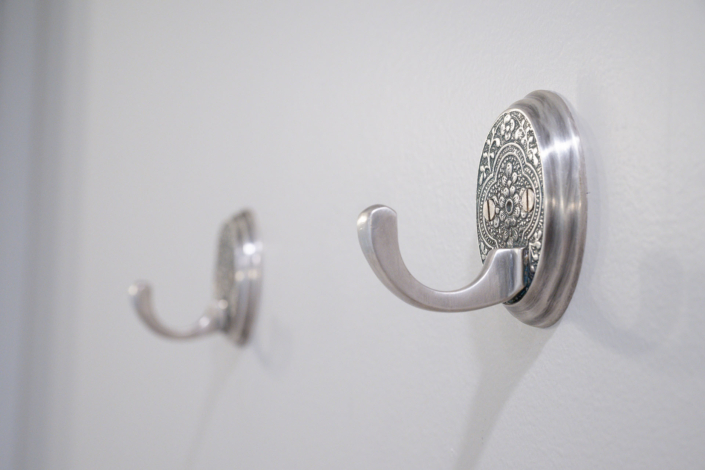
162 119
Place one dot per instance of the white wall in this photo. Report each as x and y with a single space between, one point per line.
176 115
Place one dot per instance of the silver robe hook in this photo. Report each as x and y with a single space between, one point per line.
500 279
531 213
238 279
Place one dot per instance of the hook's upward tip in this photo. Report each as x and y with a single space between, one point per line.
139 292
374 213
137 287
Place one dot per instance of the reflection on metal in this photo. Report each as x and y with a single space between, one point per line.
238 279
531 219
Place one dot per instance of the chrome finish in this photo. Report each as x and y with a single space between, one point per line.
237 286
531 215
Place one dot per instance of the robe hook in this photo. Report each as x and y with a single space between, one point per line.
531 210
238 279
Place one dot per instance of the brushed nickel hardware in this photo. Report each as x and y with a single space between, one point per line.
531 210
238 279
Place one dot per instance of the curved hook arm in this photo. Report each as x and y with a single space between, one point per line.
213 319
501 278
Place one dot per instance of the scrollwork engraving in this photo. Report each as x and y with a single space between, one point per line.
510 196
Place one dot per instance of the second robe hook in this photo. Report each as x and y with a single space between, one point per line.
238 278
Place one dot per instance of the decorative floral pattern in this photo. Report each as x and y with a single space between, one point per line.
508 206
510 190
507 127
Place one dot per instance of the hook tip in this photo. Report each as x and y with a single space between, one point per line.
140 293
137 288
377 234
373 213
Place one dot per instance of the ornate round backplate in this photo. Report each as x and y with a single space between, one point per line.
510 195
531 194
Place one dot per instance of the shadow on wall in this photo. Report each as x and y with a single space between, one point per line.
506 349
225 358
271 342
658 309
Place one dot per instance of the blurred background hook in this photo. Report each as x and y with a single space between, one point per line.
238 279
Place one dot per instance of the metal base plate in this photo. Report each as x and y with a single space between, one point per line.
532 193
238 276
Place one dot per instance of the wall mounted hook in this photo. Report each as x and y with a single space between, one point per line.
238 279
531 211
